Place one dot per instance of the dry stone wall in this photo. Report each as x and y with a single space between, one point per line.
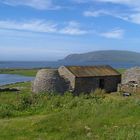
48 80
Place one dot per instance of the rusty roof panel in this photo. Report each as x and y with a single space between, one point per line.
92 71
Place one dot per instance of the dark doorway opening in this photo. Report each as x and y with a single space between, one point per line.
101 83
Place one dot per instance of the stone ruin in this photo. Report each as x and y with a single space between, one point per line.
48 80
130 81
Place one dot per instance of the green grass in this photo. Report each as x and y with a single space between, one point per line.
24 72
24 116
121 70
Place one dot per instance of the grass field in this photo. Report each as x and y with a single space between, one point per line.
98 116
121 70
24 72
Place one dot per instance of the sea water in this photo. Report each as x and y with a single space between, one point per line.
13 78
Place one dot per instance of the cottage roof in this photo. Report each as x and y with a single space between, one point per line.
92 71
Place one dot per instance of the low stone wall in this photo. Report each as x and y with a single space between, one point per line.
128 88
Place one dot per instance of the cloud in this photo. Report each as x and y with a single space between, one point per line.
37 4
33 25
133 16
68 28
73 28
96 13
131 3
82 1
114 34
130 12
42 26
106 12
134 7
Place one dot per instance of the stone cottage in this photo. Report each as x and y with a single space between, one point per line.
88 78
130 81
49 80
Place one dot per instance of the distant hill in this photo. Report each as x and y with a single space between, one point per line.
109 57
117 59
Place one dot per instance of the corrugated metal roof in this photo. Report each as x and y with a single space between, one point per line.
92 71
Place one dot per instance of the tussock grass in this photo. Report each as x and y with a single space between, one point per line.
99 116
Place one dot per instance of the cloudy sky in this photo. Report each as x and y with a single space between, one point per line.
52 29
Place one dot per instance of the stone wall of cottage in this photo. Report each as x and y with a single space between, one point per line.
68 76
86 85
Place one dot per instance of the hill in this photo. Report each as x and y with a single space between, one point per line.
116 56
117 59
109 57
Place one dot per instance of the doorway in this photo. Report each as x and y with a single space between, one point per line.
101 83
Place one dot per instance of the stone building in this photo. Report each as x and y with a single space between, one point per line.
130 81
88 78
131 75
49 80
